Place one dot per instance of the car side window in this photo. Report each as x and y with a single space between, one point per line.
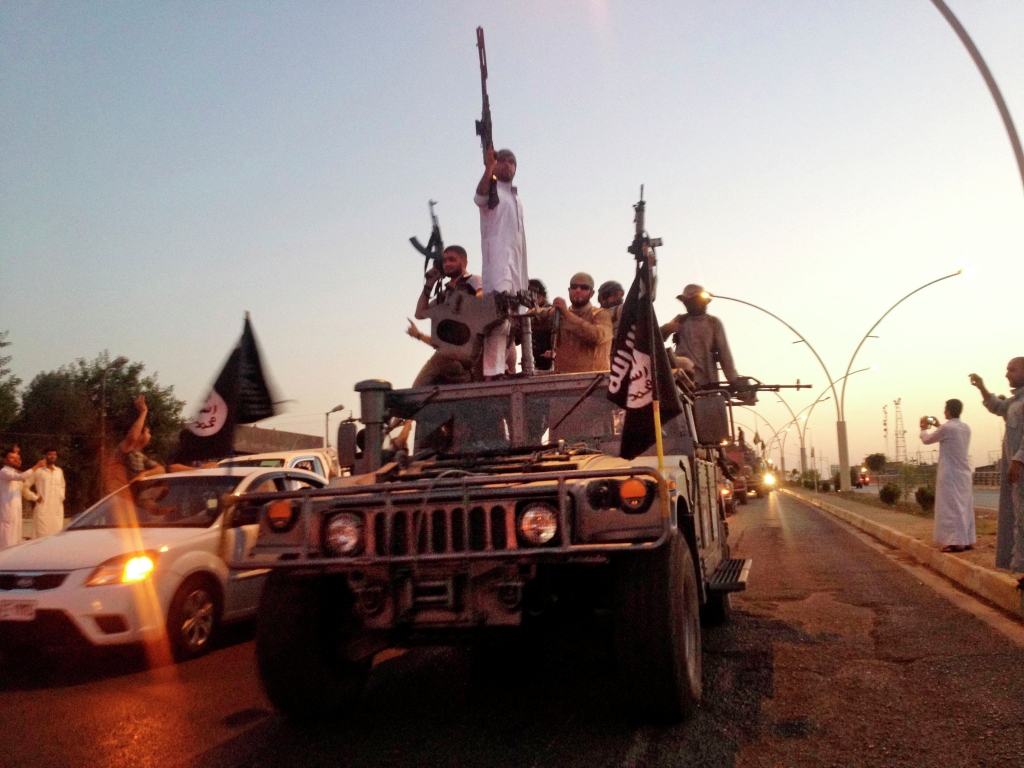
319 468
300 484
305 463
270 485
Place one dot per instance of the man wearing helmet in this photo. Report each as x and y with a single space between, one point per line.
700 338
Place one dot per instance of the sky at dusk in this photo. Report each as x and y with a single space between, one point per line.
168 167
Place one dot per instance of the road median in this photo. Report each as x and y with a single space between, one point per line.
996 587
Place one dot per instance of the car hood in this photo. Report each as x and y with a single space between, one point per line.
88 547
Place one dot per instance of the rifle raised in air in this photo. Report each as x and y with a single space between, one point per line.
483 125
433 250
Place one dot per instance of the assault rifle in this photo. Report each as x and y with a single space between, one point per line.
433 250
744 391
642 243
483 125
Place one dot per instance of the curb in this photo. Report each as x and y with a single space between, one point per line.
997 588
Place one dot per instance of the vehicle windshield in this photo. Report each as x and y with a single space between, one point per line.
161 502
596 421
465 426
252 463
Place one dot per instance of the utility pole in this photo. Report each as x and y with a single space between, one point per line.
885 429
900 434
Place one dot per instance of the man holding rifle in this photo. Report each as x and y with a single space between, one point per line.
503 246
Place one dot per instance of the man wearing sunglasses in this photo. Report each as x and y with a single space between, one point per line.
585 337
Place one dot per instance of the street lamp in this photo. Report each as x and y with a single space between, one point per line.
844 450
115 364
327 417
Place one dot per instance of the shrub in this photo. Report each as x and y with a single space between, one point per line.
925 496
809 485
889 494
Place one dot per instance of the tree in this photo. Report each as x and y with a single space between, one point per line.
62 409
8 387
875 462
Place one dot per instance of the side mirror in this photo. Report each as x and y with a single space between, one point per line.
347 445
711 419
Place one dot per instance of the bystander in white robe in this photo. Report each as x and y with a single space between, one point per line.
954 487
11 482
503 252
48 517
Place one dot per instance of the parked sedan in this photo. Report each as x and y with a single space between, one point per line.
147 561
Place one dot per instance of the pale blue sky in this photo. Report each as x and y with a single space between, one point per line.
166 167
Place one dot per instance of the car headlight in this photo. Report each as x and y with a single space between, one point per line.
123 569
281 515
725 492
344 534
538 524
769 479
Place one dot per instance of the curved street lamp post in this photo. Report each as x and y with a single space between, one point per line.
841 439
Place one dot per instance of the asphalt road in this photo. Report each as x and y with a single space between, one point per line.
837 655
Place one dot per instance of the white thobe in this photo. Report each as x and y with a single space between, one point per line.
954 487
11 481
48 517
503 253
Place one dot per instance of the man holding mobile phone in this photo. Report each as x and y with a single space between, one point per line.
954 487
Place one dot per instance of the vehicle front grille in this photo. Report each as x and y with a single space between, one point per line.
36 581
442 530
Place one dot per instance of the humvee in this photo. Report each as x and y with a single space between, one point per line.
511 491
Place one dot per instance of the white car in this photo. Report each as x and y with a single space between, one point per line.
148 561
318 461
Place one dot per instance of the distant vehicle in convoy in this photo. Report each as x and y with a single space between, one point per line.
512 504
148 561
319 462
863 478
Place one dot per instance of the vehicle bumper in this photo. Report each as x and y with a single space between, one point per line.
75 614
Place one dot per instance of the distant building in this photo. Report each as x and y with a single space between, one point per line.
257 440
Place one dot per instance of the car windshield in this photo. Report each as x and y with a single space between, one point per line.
161 502
465 426
253 463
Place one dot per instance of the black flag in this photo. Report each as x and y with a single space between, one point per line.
631 384
240 395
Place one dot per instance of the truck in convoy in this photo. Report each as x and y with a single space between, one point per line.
512 498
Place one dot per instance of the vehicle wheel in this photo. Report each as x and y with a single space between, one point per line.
193 617
657 633
303 631
716 610
742 498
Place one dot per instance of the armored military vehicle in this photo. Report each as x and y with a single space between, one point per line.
511 494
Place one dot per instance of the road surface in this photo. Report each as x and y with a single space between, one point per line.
839 654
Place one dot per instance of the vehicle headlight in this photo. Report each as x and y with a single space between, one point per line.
769 479
344 534
281 515
538 524
635 495
725 491
123 569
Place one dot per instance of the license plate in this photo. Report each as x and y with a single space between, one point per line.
17 610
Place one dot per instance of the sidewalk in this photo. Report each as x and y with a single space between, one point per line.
975 570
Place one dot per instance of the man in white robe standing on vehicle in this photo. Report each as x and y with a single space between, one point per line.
954 486
1010 533
11 482
48 517
503 247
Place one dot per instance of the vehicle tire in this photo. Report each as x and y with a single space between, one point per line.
657 633
716 610
742 498
303 630
194 617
